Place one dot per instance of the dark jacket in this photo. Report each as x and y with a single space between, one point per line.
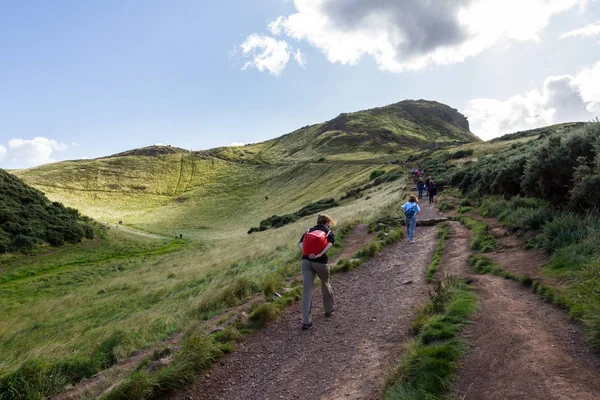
330 239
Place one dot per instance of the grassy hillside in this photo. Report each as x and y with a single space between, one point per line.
393 131
70 303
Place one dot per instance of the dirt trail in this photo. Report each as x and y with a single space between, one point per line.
510 253
343 357
518 346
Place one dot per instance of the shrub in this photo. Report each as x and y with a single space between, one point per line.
375 174
462 154
525 219
564 230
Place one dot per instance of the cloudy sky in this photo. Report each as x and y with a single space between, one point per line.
88 79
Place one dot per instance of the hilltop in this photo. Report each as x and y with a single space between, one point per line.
394 130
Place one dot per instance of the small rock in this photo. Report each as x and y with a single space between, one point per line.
101 291
407 282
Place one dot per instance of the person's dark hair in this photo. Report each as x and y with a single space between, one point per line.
323 219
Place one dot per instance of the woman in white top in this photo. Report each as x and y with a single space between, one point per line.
411 210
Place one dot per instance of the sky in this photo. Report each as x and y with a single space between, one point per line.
86 79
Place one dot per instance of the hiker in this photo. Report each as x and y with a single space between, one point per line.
432 190
411 210
420 186
314 245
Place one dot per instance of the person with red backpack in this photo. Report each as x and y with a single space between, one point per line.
314 245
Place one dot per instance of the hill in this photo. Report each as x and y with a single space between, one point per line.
172 190
379 133
28 218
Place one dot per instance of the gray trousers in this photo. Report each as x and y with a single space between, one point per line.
309 269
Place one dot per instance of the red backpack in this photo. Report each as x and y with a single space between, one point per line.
314 242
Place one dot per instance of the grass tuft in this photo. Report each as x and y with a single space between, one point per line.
481 239
431 361
442 233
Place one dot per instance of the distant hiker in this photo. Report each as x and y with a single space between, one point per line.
420 187
120 222
314 245
181 236
411 210
432 190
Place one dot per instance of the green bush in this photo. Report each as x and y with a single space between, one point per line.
375 174
525 219
462 154
28 218
566 229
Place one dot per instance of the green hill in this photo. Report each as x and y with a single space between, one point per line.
394 130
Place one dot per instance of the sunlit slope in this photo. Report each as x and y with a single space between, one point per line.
185 193
395 129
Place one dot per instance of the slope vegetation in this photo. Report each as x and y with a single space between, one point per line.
395 130
28 218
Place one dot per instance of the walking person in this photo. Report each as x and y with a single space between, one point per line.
420 187
432 190
314 245
411 209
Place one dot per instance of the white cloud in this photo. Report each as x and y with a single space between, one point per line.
563 98
2 152
75 144
299 57
590 30
236 144
269 54
35 151
413 34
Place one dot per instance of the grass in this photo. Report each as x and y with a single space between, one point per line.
481 239
442 233
430 362
61 304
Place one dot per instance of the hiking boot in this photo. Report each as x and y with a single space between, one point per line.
306 326
328 314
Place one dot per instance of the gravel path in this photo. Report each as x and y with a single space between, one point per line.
346 356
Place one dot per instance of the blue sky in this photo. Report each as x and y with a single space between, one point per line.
89 79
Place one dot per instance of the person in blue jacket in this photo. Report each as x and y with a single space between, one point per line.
411 210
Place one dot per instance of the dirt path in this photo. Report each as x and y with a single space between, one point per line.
343 357
354 242
519 347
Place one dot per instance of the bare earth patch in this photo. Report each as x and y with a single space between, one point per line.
518 346
346 356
